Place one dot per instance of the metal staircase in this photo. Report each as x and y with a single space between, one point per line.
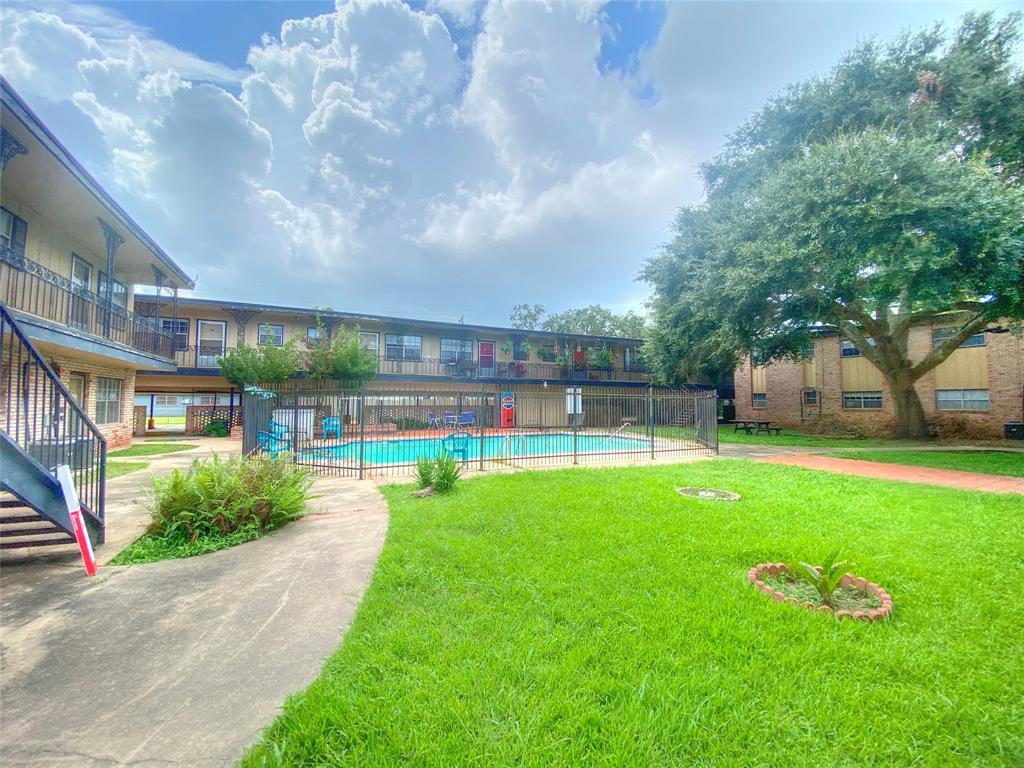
41 426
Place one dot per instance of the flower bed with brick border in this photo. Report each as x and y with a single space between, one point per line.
756 577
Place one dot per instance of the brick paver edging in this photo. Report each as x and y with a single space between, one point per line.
951 478
861 585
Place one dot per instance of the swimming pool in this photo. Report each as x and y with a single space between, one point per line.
494 447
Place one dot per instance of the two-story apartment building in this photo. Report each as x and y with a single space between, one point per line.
982 381
412 354
70 258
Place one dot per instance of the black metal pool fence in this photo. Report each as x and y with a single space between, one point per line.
375 432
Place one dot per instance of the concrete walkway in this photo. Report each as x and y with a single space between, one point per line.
181 662
970 481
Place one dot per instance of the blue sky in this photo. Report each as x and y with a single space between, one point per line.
440 158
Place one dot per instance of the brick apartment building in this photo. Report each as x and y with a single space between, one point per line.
983 382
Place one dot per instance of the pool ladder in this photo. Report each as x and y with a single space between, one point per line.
507 446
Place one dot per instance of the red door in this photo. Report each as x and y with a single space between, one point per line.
485 356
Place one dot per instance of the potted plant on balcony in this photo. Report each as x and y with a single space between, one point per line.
599 358
516 367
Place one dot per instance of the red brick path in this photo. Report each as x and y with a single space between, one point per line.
970 481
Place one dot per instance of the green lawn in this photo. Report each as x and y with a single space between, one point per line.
118 468
795 437
989 462
168 419
595 617
151 449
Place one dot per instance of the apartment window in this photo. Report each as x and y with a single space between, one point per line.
808 353
848 349
961 399
81 274
269 333
165 400
108 400
178 329
757 358
760 399
312 335
400 347
456 350
370 340
632 360
860 400
520 349
119 294
810 397
13 231
941 335
206 400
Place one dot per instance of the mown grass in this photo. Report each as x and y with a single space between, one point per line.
988 462
118 468
168 419
150 449
596 617
794 437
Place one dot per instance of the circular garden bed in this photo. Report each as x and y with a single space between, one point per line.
708 494
856 598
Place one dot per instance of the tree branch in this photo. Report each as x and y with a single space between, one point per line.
940 353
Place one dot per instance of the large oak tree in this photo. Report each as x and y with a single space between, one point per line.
884 196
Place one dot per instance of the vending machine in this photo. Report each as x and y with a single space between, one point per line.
508 410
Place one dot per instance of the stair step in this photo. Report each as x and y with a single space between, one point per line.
11 502
10 533
29 517
56 541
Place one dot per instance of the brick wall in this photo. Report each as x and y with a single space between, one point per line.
1004 355
119 434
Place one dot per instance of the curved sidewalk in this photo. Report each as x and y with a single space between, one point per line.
186 661
968 481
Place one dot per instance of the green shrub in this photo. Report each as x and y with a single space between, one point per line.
403 423
424 472
219 503
217 429
446 472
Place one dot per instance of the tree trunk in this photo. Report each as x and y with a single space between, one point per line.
910 422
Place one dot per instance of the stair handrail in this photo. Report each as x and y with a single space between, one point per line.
51 374
95 502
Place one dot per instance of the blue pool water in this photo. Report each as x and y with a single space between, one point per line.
494 447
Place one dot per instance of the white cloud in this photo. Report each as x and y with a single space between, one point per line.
365 160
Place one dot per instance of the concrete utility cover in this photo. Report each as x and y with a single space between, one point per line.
708 494
184 661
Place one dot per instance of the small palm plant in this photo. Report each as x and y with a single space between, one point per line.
425 472
824 579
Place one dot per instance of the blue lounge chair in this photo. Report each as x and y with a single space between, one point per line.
466 419
278 429
332 424
432 421
273 444
449 420
457 444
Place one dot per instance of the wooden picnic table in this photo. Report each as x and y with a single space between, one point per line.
756 427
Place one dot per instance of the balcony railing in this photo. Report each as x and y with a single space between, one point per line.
32 288
205 357
507 371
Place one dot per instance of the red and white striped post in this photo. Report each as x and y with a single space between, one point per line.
67 485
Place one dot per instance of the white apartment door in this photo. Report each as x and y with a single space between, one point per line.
79 305
210 338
